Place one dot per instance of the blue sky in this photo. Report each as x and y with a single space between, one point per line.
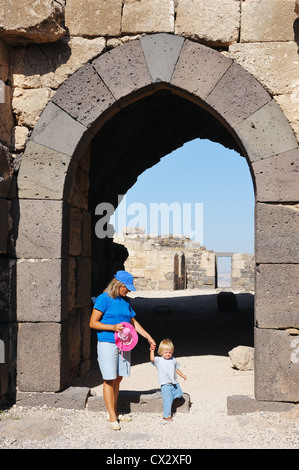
214 183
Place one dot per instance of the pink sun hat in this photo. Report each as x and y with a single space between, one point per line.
127 338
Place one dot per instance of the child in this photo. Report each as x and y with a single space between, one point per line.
168 368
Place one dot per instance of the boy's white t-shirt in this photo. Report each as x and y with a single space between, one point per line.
166 370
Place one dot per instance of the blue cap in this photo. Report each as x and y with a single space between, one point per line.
126 278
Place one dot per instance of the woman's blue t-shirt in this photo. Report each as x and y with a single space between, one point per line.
114 311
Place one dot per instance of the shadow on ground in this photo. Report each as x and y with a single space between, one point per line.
194 324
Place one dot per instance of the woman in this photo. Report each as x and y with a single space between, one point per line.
111 309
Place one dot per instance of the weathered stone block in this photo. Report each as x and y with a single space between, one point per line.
276 365
277 233
20 137
215 23
75 245
83 291
138 401
4 61
85 97
267 21
166 285
39 233
6 116
101 18
85 337
4 359
42 173
77 186
49 65
266 132
7 290
41 356
161 52
6 170
71 398
57 130
237 95
71 282
86 234
289 104
199 69
124 71
277 296
277 177
74 341
4 226
27 105
274 65
41 290
148 16
239 404
37 22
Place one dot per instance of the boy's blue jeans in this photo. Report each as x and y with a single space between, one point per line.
169 393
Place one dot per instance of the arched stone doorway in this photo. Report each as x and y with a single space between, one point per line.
126 110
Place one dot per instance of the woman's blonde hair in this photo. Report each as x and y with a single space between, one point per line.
113 288
165 344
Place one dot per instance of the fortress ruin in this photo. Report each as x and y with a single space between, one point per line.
91 95
171 262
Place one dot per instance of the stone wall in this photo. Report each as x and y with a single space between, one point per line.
243 267
170 262
157 263
44 43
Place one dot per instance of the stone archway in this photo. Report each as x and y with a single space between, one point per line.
56 163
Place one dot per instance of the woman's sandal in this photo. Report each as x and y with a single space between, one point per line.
123 418
115 426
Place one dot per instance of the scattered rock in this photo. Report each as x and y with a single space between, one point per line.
242 358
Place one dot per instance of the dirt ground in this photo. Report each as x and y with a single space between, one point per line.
202 336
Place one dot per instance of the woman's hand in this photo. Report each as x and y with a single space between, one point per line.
97 325
152 342
118 327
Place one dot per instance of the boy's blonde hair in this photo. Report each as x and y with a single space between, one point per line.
113 288
165 344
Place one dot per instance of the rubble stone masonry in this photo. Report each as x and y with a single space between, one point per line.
173 262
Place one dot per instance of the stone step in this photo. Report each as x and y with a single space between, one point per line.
238 404
130 401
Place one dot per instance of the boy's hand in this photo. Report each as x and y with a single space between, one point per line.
152 352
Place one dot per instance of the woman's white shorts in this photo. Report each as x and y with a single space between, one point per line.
112 361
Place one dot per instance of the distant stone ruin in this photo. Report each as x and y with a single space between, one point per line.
174 262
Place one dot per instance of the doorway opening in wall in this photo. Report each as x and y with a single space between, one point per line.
203 190
165 151
223 271
219 181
